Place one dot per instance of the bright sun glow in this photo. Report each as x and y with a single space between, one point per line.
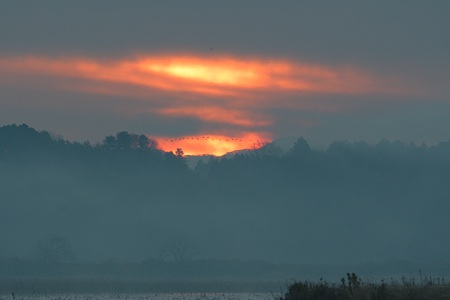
201 76
211 144
200 71
229 93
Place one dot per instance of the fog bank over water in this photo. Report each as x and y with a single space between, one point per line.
124 200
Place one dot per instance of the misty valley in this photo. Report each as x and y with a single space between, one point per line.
224 150
124 212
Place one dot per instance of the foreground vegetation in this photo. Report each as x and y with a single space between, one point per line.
353 288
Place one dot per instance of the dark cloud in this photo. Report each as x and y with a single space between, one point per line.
382 31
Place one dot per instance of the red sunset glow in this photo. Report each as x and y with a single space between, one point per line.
202 76
224 90
211 144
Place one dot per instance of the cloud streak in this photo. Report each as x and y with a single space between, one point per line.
209 76
234 92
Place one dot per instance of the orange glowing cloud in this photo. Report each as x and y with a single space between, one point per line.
217 115
220 72
234 84
218 76
231 76
231 92
211 144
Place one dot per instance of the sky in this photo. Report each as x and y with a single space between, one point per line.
217 76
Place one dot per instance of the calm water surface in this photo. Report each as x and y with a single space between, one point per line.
160 296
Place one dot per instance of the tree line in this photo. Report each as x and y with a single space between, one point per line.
126 196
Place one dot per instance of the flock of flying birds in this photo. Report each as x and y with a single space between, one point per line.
208 138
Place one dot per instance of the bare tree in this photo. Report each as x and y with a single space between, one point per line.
145 142
177 249
261 149
54 249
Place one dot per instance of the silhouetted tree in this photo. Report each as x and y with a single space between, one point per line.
124 140
147 143
143 142
179 153
177 249
268 149
54 249
24 139
300 147
110 142
153 144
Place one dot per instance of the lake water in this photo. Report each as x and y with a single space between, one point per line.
155 296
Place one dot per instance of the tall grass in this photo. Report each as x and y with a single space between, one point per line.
353 288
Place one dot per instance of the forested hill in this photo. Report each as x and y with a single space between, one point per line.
22 142
126 198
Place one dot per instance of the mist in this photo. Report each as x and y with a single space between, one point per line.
126 201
